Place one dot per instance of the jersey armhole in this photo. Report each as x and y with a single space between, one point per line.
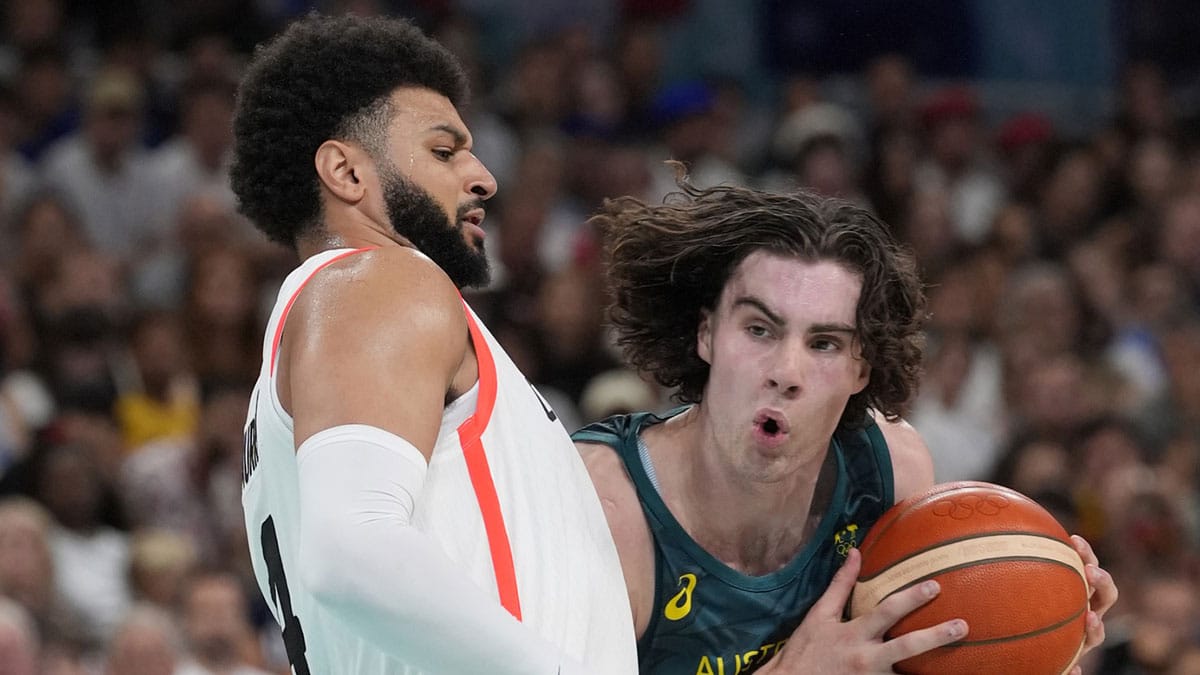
656 605
277 337
272 387
883 459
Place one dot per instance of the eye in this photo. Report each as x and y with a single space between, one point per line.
757 330
824 344
443 154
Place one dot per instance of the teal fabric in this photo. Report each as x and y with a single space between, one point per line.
709 619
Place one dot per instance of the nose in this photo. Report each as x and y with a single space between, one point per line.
480 181
788 372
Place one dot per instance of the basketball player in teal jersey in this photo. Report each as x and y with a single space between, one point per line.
791 325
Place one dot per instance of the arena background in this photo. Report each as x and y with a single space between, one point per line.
1039 157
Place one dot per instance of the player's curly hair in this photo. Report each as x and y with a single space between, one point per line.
667 263
322 78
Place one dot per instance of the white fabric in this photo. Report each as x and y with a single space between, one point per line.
571 588
964 437
359 485
91 575
975 196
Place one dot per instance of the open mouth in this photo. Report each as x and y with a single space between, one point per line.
771 423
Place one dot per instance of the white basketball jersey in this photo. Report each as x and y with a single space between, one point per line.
565 579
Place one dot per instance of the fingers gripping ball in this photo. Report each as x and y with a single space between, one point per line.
1005 565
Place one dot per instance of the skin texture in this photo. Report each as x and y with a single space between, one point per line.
780 342
388 315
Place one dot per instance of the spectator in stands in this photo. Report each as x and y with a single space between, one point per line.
91 559
146 643
104 172
219 636
18 640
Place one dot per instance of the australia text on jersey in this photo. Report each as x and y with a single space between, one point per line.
739 662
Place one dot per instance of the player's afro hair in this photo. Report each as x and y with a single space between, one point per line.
323 78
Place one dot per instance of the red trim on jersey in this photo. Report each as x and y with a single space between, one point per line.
469 435
288 307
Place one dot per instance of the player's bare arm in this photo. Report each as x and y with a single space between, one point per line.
627 521
362 459
355 340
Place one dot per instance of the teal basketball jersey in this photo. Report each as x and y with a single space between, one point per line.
710 619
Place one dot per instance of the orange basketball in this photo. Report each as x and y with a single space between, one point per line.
1005 565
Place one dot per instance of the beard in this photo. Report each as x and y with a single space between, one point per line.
417 217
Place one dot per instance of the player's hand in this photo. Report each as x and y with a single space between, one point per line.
1103 594
823 644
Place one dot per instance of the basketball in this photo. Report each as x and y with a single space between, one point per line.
1005 566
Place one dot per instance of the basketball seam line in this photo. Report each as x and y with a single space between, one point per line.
949 542
1019 636
899 574
973 563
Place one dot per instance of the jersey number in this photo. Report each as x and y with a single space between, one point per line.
293 635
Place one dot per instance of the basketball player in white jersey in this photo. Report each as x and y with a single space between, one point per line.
412 504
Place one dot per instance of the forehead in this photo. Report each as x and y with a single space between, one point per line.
419 111
794 288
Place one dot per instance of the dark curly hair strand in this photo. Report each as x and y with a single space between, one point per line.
667 263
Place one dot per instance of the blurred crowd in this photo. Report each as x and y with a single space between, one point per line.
1063 272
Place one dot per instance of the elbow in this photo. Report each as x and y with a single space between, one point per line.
319 562
323 582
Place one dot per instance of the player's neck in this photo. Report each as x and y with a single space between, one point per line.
753 525
348 229
312 245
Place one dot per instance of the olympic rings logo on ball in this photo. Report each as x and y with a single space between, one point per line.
965 506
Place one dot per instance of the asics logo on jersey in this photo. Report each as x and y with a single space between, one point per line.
681 605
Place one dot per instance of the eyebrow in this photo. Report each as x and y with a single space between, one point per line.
460 139
751 301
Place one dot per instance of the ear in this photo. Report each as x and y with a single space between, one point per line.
343 170
704 337
864 374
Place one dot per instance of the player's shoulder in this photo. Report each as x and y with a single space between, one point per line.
389 285
613 484
898 433
398 272
912 464
603 464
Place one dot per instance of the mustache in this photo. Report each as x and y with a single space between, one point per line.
467 207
